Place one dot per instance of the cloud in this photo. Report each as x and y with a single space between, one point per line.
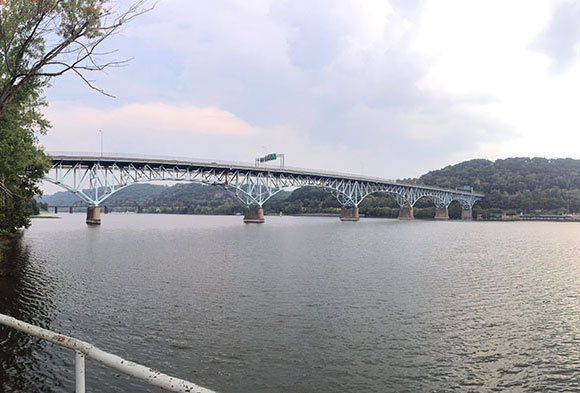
341 78
186 131
159 117
397 87
561 39
480 51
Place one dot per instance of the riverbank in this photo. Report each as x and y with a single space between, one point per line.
541 217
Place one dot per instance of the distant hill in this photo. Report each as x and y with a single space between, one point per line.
521 184
182 198
136 192
512 185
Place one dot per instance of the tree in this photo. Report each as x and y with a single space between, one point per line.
40 40
22 163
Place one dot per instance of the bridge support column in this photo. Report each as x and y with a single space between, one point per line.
94 215
56 210
466 214
441 213
70 209
349 214
254 215
406 213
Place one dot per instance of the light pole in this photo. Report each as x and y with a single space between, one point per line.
101 143
265 152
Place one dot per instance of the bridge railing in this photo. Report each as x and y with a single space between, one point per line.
83 349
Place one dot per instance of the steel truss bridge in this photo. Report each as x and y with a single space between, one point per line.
94 178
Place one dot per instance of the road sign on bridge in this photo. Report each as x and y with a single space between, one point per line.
271 157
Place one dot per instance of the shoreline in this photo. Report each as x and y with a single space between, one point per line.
534 218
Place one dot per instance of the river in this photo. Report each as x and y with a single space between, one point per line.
298 304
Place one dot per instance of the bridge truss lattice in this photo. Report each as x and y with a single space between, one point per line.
95 179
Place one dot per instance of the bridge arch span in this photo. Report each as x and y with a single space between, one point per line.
254 186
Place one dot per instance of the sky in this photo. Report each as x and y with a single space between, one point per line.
389 88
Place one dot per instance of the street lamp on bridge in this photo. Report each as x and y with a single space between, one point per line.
101 143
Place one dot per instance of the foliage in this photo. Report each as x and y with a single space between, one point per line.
528 185
22 163
310 200
188 198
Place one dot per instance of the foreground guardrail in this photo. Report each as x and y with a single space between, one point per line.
83 349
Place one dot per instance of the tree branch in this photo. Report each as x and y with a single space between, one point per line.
80 41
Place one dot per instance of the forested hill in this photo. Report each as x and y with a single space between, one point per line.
523 184
184 198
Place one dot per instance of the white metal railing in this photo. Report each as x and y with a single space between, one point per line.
83 349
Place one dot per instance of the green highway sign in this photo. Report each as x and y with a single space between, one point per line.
270 157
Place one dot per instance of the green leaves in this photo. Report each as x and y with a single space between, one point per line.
22 166
520 184
78 16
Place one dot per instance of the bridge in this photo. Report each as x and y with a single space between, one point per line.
94 178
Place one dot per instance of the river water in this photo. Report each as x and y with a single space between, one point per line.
298 304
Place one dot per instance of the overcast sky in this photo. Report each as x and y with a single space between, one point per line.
385 88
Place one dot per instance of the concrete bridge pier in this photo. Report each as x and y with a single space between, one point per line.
406 213
254 215
56 210
466 214
94 215
349 214
441 213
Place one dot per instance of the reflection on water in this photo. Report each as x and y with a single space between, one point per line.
298 304
25 293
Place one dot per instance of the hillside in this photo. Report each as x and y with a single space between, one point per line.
137 193
521 184
182 198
